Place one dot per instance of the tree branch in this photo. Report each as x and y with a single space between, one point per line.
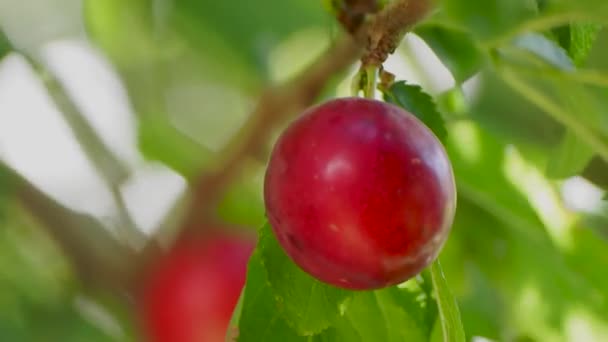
389 26
278 103
351 13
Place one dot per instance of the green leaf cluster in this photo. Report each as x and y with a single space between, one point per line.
280 302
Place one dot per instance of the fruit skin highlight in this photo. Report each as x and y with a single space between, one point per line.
190 293
360 193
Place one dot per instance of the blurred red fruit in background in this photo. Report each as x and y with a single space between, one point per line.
191 292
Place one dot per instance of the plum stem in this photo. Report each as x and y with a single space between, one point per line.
369 88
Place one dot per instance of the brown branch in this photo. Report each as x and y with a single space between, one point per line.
99 260
278 103
388 27
351 13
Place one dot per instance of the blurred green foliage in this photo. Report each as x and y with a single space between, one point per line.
5 45
40 299
416 101
521 265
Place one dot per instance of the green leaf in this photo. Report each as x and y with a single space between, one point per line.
249 30
596 10
510 117
582 38
495 23
543 74
490 19
529 268
342 330
243 202
588 253
5 45
159 140
406 317
416 101
449 314
308 305
480 304
570 158
399 313
579 107
578 39
415 297
496 225
378 316
404 313
473 153
260 320
367 317
545 49
455 48
108 30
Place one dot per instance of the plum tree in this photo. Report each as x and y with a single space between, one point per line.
190 293
360 193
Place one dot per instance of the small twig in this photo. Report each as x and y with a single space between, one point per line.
371 73
111 169
356 84
126 227
365 80
99 259
109 166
